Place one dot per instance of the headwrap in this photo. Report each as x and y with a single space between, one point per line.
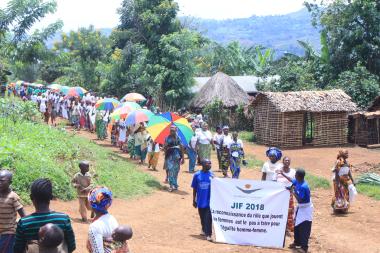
100 199
274 152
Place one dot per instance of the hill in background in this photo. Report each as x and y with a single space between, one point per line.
278 32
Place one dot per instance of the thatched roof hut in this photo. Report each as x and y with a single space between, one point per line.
375 105
220 87
294 119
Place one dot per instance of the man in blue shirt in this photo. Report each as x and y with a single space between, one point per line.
201 197
304 211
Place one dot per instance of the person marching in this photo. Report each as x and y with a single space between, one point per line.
344 184
236 155
192 151
173 157
82 182
225 153
291 173
274 164
201 185
218 137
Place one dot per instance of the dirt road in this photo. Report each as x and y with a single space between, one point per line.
166 222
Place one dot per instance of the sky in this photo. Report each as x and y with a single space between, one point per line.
102 13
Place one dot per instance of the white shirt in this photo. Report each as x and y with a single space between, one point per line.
283 180
193 141
155 149
227 139
218 139
204 137
271 169
100 229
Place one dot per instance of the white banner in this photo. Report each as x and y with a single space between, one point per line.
248 212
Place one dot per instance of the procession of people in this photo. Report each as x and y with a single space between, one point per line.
105 234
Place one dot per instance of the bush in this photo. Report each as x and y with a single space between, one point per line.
34 150
247 136
217 114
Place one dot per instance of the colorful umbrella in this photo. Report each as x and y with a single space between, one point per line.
64 89
76 92
138 116
133 97
124 109
159 127
107 104
55 86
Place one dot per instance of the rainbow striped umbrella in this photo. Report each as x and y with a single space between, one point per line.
138 116
107 104
159 127
133 97
124 109
76 92
64 89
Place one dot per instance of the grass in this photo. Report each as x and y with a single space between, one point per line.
317 182
247 136
35 150
370 190
253 162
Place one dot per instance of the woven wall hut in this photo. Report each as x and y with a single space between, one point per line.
365 126
295 119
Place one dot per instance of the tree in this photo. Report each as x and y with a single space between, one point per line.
361 85
152 52
24 53
352 32
80 54
234 60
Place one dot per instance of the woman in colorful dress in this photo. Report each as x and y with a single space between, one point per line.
205 142
274 164
225 152
131 143
173 157
343 183
100 199
236 155
100 126
289 173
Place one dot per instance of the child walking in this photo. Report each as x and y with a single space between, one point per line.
201 197
9 205
153 154
82 182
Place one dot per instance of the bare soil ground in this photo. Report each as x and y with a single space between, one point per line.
166 222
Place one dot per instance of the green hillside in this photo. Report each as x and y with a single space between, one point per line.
278 32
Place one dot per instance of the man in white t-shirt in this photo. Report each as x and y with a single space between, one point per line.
274 164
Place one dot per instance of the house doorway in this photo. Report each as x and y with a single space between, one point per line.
309 128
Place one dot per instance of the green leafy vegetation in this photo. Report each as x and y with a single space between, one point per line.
34 150
247 136
370 190
316 182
